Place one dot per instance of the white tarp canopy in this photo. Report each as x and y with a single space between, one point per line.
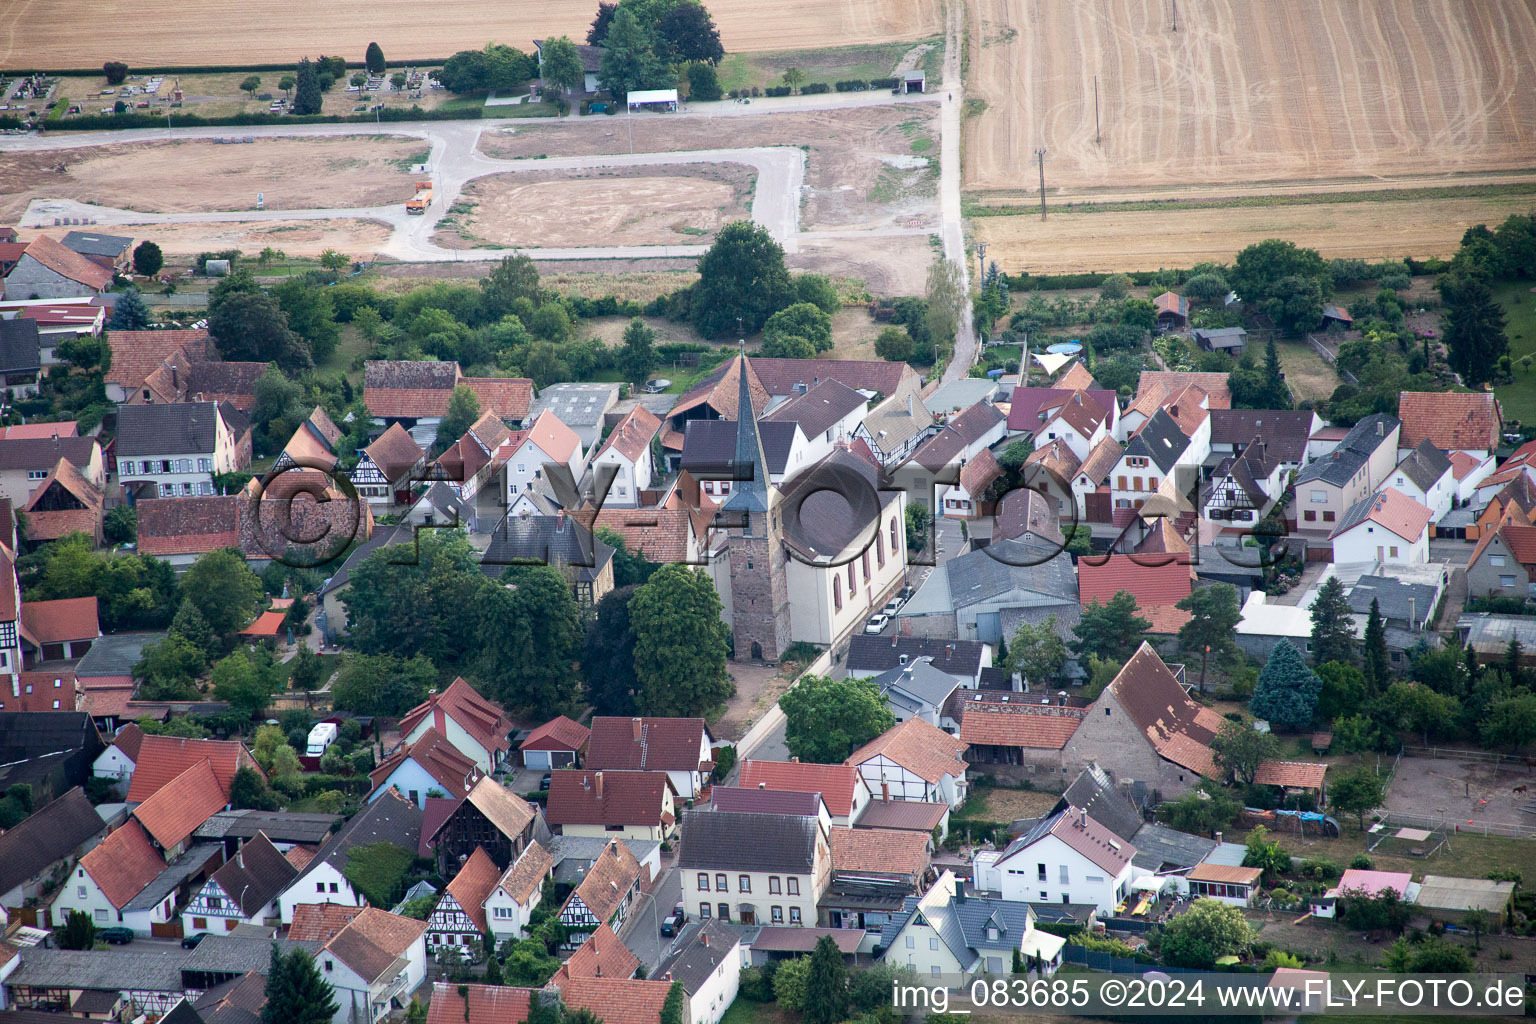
1148 884
1052 361
645 97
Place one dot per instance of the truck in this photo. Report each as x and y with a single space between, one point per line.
320 737
421 200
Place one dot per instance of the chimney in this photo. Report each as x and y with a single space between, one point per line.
762 785
240 858
1061 698
1082 819
909 405
885 791
1381 429
560 520
635 725
597 782
704 938
794 760
959 890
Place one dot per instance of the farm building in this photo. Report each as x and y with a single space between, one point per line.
109 251
914 81
1447 900
48 270
1222 339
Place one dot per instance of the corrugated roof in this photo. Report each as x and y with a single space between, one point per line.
1225 873
1292 774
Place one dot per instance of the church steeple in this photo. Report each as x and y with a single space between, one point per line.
749 487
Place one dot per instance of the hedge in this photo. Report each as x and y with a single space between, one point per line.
853 85
884 83
1061 282
606 305
108 122
777 90
815 88
316 784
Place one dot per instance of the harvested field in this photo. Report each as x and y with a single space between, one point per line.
359 239
1248 91
887 265
654 205
83 33
197 175
866 167
1114 240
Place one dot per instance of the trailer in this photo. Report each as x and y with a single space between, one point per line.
421 200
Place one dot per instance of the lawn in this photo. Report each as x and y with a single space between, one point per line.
1309 375
837 64
996 804
1469 856
745 1011
352 345
1518 397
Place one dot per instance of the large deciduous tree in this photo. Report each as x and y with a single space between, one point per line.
629 60
1356 791
463 411
1240 749
686 33
1037 652
147 259
608 658
529 636
382 684
680 644
827 719
408 602
560 64
1112 630
801 320
1208 930
252 327
224 589
742 282
638 356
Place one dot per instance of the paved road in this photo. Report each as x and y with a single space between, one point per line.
642 927
952 120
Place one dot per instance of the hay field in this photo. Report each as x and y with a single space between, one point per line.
1113 240
83 33
1248 91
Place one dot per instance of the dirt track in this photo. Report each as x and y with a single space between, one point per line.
1248 91
83 33
189 176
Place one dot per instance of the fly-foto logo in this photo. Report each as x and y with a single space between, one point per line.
304 513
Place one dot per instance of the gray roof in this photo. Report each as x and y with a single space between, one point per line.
49 834
90 243
873 654
1425 465
709 446
978 576
236 954
573 855
1221 337
696 962
1408 602
26 735
111 970
178 871
1353 452
547 540
115 654
381 536
748 842
962 923
177 428
917 685
733 799
1160 440
1159 847
891 425
443 498
749 492
960 394
44 452
1094 791
1064 913
20 345
389 819
577 405
279 826
817 409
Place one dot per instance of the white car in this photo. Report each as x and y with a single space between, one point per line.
891 607
877 623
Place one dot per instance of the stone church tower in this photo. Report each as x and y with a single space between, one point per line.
758 558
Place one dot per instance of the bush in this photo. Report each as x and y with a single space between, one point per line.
116 72
884 83
853 85
815 88
1360 862
772 90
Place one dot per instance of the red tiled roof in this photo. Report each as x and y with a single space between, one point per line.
438 757
374 940
617 1000
137 354
1082 413
556 440
1104 457
613 874
408 388
481 718
53 523
128 739
977 474
1389 508
1156 588
559 733
603 955
300 856
659 534
1094 840
394 452
631 436
477 1004
996 725
1449 420
1462 464
923 749
164 758
181 805
1293 774
193 525
67 263
663 744
1213 384
508 397
102 701
719 392
527 873
1078 377
474 882
123 863
1178 728
69 618
1519 539
835 782
580 797
40 431
319 922
1058 456
880 850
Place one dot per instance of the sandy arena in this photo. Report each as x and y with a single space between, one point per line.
1248 91
1462 791
196 175
72 34
654 205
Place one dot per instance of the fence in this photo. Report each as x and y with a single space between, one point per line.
1479 756
1323 351
1458 826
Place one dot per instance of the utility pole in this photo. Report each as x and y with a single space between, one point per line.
1175 15
1040 157
981 261
1096 140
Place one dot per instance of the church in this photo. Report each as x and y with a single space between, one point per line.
811 559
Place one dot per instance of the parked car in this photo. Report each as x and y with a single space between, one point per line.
544 781
876 624
116 936
891 607
905 594
672 925
192 941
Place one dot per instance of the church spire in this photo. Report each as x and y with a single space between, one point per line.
749 489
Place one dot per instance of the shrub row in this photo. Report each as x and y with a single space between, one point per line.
1063 282
776 90
606 305
101 122
815 88
737 94
859 85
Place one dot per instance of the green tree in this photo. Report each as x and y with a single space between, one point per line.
249 84
224 589
409 606
742 282
1416 707
675 1005
894 344
1510 721
789 983
309 311
121 525
245 681
638 356
252 327
129 312
331 259
801 320
1343 690
249 790
1208 930
918 520
528 963
680 644
1115 287
529 636
1333 631
306 97
703 83
608 657
1240 749
630 569
1259 269
1356 791
373 59
787 346
296 992
945 302
1374 660
1474 328
1287 692
515 277
1112 630
286 83
560 64
687 34
1206 287
629 56
147 259
1037 652
826 719
381 684
1202 812
1274 377
1213 619
1297 304
793 77
168 670
307 668
819 291
116 72
463 411
79 931
826 984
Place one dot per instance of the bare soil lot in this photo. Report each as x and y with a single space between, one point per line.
83 33
1114 240
1462 791
612 206
866 167
1249 91
888 265
196 175
359 239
